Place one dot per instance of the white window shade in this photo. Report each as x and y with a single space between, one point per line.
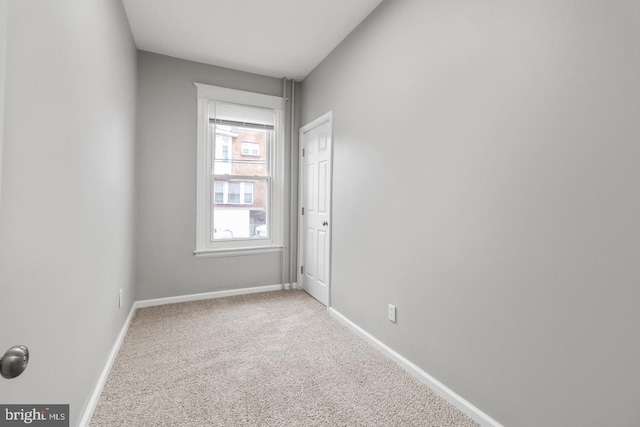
242 115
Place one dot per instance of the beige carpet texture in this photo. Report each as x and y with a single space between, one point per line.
268 359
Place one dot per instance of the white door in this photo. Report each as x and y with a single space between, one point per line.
315 214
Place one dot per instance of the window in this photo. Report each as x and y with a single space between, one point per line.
229 193
239 194
234 192
248 193
219 192
250 149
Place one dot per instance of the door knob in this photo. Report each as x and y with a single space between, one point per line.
14 361
325 223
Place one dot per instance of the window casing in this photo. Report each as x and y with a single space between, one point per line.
240 171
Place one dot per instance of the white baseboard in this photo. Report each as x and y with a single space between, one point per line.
102 380
289 286
206 295
440 389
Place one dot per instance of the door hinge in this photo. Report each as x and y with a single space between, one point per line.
302 211
303 152
302 269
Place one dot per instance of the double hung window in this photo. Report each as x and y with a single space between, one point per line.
240 150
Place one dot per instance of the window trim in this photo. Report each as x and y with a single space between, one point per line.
204 194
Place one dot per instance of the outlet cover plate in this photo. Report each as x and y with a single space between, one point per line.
392 313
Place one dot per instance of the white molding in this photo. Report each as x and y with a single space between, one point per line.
440 389
102 380
202 187
236 96
206 295
326 117
238 251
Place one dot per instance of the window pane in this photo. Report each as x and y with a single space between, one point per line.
240 150
222 150
219 192
248 193
243 215
241 138
234 192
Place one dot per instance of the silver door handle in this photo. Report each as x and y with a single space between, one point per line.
14 361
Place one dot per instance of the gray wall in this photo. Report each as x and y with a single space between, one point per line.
3 57
166 171
66 225
486 182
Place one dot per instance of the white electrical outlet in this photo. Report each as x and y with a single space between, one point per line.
392 313
120 298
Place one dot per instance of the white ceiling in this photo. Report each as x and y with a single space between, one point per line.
279 38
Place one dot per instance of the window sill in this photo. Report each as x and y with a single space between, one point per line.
255 250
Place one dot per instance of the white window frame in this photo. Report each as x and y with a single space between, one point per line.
204 194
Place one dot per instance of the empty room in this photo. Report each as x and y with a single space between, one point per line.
320 213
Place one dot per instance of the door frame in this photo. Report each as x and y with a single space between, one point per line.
328 118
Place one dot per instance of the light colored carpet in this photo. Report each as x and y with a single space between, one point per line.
269 359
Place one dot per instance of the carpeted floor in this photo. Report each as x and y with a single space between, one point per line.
269 359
